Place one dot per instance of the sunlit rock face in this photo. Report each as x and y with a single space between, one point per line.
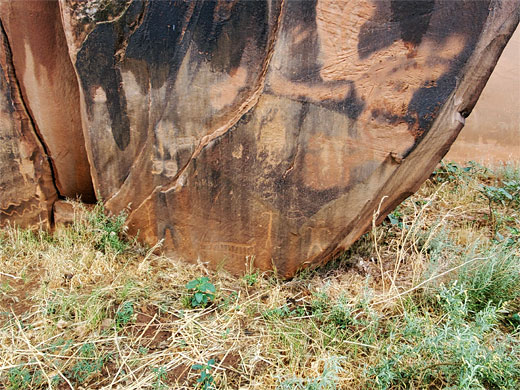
261 132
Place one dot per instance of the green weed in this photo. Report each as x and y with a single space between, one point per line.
205 380
124 314
252 278
21 378
328 380
450 172
457 351
203 292
494 280
111 229
160 374
89 364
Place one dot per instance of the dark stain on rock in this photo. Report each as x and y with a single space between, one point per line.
412 21
279 185
226 29
9 106
219 31
396 19
352 106
294 199
378 32
162 39
413 18
98 66
389 117
164 223
302 60
302 63
465 19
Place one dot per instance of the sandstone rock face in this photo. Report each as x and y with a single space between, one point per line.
49 90
26 182
264 131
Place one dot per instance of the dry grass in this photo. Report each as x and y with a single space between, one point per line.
82 308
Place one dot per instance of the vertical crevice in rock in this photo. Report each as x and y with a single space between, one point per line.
50 91
26 122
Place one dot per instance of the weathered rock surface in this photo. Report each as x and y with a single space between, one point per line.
49 90
27 189
265 131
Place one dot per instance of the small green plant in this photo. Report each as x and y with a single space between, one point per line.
460 349
251 279
19 378
320 305
160 378
396 218
205 379
342 315
505 195
494 280
203 292
126 289
326 381
252 274
110 228
89 365
450 172
229 300
124 314
499 195
277 313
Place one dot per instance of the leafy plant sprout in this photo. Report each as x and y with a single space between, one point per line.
203 291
